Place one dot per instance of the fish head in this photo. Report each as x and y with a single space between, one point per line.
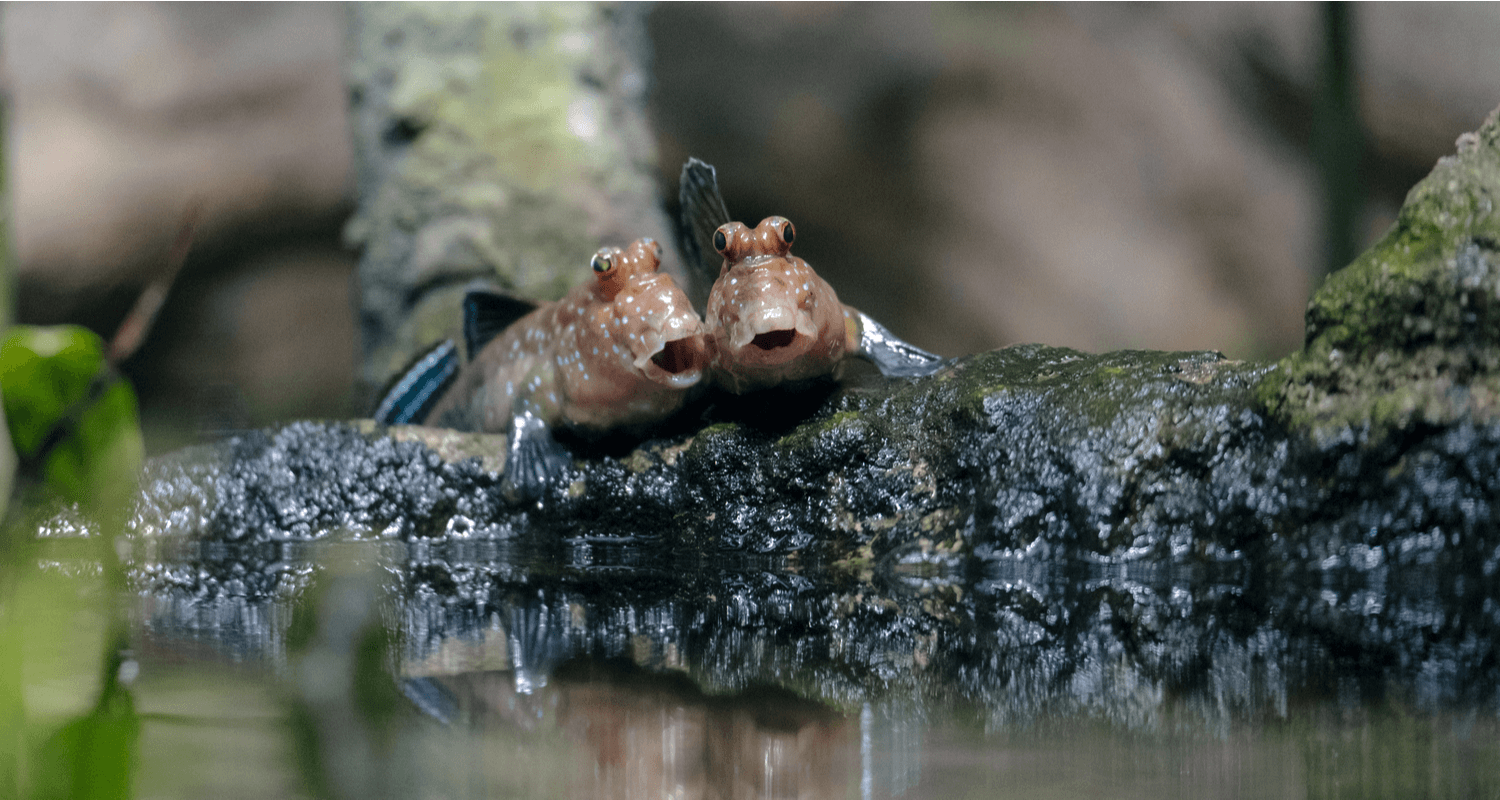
768 306
650 316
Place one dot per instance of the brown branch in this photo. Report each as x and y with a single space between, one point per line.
138 322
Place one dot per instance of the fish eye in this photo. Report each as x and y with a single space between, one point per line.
601 263
656 248
788 233
721 241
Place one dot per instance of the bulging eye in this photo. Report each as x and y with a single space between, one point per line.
788 233
602 263
656 248
721 240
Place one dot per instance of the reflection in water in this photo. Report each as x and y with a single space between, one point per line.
610 669
643 735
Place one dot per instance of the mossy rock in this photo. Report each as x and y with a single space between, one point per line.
1409 334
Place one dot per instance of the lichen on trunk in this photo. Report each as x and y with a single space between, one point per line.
502 142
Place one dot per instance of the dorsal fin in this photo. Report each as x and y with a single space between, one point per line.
702 212
419 386
487 313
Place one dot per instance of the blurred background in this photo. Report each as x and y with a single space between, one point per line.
1093 176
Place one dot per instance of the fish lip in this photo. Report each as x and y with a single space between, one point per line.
773 336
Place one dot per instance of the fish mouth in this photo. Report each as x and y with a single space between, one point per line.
676 357
677 363
770 340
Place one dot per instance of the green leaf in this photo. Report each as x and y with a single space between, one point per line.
92 757
70 416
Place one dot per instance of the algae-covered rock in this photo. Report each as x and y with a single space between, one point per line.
1409 334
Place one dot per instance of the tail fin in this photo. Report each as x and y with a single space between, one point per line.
414 393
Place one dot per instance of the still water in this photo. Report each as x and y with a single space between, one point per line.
467 666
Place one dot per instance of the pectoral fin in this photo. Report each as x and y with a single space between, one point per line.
533 458
895 358
412 396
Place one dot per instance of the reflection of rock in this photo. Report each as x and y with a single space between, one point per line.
1020 637
643 735
1015 639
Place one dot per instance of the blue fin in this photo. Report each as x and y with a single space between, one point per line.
419 387
702 212
431 698
487 313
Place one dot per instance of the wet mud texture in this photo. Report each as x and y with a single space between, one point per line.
1030 528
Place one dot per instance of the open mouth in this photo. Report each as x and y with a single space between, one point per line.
676 357
770 340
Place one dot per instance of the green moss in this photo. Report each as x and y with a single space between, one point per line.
638 461
717 429
1410 331
711 438
1097 387
808 435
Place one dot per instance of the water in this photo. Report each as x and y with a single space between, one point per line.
494 667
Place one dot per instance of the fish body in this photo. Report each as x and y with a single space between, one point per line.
619 352
769 317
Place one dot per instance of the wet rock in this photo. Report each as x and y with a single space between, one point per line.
1034 450
1390 405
